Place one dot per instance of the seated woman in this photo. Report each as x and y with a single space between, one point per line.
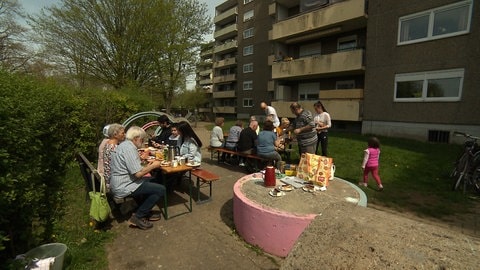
116 135
267 141
216 138
232 139
127 178
190 144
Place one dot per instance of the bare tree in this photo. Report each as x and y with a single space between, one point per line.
13 53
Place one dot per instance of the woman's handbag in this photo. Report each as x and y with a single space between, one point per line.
99 207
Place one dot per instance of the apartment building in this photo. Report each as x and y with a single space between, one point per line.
396 68
204 79
422 76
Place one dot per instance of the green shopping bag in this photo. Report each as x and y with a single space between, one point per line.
99 207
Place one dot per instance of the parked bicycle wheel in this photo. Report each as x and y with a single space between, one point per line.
476 177
459 171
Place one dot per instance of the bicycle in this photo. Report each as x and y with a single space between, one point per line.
467 167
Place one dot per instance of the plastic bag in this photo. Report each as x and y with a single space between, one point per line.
315 169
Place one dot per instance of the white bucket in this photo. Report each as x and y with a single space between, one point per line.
56 250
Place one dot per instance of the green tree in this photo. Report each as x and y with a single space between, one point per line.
148 44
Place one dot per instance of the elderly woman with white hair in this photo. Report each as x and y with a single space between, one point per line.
127 178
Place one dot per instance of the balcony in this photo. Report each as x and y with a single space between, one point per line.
224 109
224 94
229 31
206 53
342 109
205 72
347 63
227 46
339 17
341 94
204 110
224 78
225 62
228 15
205 81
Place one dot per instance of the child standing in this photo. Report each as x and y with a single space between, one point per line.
370 162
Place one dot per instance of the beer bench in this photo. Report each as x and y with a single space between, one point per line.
204 178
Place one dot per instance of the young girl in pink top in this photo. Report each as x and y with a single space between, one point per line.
370 162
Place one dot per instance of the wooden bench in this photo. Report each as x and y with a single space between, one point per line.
259 161
204 178
88 171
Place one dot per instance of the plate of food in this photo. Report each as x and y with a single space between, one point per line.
285 187
193 164
165 163
310 188
276 192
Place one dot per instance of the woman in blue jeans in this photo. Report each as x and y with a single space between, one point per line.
127 178
267 141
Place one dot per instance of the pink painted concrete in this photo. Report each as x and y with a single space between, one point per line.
272 230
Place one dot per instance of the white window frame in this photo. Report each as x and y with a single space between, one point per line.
248 50
248 15
247 68
424 77
247 102
345 82
248 85
431 19
347 39
248 33
247 1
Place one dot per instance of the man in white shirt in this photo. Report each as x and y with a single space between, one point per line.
270 112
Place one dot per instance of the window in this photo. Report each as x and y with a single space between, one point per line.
350 84
248 33
247 1
347 43
308 91
248 68
310 49
247 50
444 85
248 15
446 21
247 102
247 85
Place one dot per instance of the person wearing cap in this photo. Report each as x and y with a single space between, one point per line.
100 166
166 132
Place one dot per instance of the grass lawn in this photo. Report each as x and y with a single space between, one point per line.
414 174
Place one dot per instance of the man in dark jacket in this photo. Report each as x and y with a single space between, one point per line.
164 135
247 140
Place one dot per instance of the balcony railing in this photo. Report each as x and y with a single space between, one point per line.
230 45
205 81
230 30
338 17
226 16
349 62
224 109
225 62
205 72
343 109
224 78
224 94
206 53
